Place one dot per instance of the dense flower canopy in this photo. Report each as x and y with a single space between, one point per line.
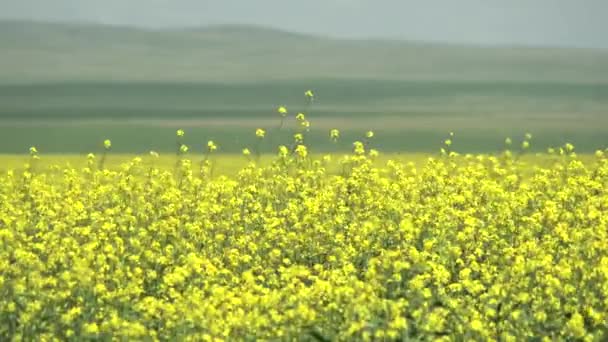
464 248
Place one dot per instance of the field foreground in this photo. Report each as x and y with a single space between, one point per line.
451 247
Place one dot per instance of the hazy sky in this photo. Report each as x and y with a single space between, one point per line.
581 23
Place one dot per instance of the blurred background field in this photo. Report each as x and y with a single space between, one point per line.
66 87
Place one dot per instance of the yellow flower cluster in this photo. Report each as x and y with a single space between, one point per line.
462 248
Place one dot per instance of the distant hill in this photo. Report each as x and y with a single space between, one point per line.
41 52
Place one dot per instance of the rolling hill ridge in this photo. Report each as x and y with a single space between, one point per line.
51 52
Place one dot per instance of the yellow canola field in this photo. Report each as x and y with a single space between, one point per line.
456 248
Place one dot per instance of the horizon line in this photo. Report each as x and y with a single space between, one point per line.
387 39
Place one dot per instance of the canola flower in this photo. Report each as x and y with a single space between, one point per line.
460 248
211 146
282 110
358 148
34 154
107 144
298 138
283 151
301 151
569 147
334 134
260 133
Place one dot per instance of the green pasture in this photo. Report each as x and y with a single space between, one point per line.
406 116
